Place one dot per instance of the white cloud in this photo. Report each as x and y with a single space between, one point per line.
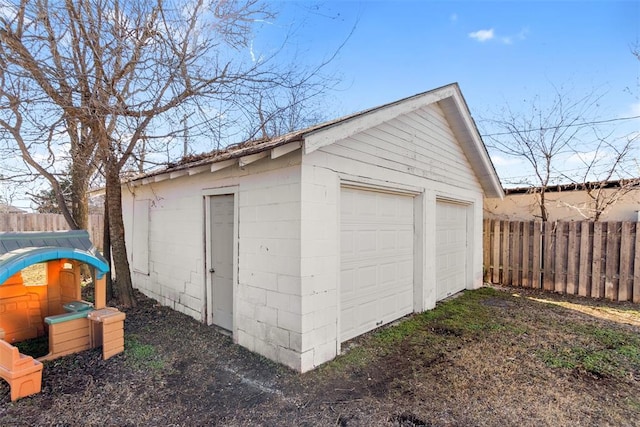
499 160
482 35
586 158
490 34
635 109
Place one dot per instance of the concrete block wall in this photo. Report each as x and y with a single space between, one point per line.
176 266
319 269
268 289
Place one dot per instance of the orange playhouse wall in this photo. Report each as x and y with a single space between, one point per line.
23 308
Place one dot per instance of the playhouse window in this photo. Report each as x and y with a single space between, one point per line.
35 275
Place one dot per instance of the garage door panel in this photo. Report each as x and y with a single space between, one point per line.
378 232
347 282
367 279
451 248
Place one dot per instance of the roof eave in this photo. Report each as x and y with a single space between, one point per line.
464 127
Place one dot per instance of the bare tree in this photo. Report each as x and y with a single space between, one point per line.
543 135
608 173
120 73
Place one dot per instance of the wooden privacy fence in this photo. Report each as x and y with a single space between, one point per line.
592 259
49 222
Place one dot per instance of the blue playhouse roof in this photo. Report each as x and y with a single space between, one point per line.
19 250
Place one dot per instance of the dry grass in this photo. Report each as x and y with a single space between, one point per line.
487 358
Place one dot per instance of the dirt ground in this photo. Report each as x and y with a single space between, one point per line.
488 358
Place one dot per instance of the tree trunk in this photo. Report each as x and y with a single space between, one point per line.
544 216
106 250
79 199
80 202
123 285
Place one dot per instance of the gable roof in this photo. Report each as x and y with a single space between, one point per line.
22 249
449 98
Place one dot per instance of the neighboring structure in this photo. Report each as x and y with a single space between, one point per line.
299 243
568 202
4 208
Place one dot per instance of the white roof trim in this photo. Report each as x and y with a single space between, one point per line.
199 169
246 160
466 132
178 173
223 164
285 149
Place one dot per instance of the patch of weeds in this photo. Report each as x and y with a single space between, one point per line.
606 352
141 355
633 404
355 357
452 319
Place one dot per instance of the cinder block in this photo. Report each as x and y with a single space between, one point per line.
267 315
281 301
290 358
266 349
246 340
289 248
325 316
244 308
277 336
289 285
289 321
295 342
324 353
263 280
306 361
324 334
289 265
289 211
251 294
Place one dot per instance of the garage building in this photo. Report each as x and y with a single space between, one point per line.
299 243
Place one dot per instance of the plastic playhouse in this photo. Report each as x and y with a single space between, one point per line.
55 307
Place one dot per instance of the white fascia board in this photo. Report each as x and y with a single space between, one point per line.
323 137
285 149
223 165
478 153
199 169
178 174
246 160
160 178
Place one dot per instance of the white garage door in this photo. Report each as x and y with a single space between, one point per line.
376 244
451 248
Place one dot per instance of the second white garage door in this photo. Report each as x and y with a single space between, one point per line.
376 259
451 248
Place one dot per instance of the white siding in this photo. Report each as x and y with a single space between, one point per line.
420 144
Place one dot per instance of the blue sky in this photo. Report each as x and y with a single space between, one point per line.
499 52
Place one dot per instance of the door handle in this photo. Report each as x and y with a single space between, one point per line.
211 270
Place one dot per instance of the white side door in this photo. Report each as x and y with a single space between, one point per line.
220 264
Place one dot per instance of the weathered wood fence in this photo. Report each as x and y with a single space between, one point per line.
592 259
49 222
